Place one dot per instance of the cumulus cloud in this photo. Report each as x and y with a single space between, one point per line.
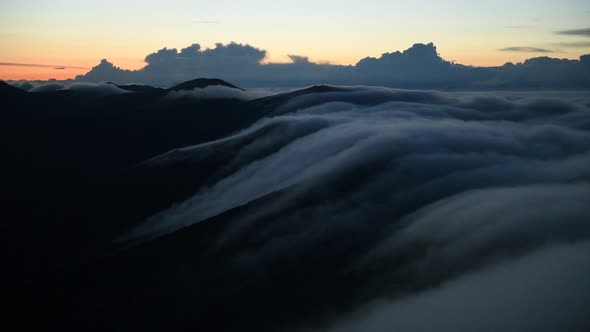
526 49
168 67
420 66
193 57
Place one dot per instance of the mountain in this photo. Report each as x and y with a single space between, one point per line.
7 90
137 88
201 83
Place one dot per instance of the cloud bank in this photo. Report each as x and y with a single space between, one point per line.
420 66
512 140
540 291
98 89
424 205
219 92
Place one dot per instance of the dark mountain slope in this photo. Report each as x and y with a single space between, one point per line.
7 90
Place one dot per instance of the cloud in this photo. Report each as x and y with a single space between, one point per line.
221 58
485 226
541 291
575 44
49 87
418 67
575 32
378 209
107 72
168 67
36 65
219 92
509 142
526 49
100 89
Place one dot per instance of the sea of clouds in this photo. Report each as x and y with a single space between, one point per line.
459 210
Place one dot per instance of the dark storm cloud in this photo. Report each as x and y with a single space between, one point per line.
526 49
575 32
419 67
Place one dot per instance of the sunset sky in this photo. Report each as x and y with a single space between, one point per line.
42 39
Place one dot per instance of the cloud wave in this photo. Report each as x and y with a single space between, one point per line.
408 204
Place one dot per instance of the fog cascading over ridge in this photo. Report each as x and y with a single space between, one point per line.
429 194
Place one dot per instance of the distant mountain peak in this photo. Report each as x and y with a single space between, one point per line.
201 83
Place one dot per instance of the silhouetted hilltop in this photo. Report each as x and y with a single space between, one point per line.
201 83
137 87
269 104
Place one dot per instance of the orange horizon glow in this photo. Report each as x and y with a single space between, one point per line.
15 71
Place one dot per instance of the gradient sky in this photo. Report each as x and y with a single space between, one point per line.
66 33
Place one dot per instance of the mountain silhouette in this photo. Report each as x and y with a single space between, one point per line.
201 83
137 87
7 90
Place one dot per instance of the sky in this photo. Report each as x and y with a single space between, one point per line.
42 39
